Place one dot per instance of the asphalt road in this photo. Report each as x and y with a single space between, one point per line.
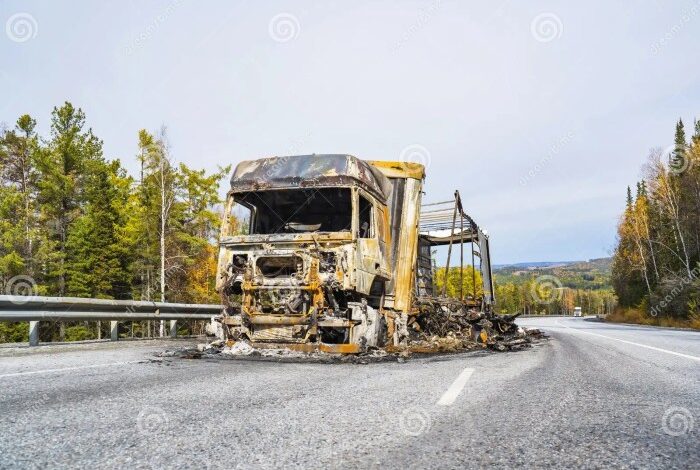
594 395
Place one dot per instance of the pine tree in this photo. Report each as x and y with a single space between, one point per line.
695 139
630 201
677 158
18 197
94 267
64 165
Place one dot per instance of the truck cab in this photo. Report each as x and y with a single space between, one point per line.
308 260
320 252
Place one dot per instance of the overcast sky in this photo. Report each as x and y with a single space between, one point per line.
540 114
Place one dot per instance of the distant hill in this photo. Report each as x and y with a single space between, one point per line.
599 264
533 264
592 274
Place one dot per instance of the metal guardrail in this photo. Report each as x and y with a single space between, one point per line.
35 309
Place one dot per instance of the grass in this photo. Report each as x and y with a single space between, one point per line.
640 317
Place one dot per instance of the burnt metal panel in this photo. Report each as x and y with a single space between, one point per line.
405 263
308 171
486 274
395 204
424 273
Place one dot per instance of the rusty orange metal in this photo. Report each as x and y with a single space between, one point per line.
312 347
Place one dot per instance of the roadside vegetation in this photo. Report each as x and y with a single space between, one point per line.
556 289
74 223
656 266
471 283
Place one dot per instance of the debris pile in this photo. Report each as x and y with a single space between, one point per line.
449 326
439 326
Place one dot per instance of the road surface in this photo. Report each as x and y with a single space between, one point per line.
594 395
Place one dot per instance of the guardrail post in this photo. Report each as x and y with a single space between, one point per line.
114 329
173 328
33 333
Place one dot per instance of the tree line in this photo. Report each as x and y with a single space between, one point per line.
75 223
656 265
461 284
534 297
532 294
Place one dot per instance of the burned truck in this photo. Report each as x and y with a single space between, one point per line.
333 253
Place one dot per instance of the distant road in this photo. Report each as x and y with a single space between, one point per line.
594 395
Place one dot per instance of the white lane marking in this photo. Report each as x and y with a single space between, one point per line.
47 371
687 356
453 392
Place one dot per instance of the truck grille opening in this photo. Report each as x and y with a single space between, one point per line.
328 262
279 266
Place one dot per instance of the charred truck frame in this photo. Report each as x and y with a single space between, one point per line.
332 253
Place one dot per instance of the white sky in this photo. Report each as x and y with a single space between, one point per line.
540 123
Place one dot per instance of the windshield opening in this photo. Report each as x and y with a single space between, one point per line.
299 210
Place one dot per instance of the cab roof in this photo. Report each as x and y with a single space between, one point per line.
303 171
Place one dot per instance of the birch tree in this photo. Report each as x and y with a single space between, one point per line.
159 188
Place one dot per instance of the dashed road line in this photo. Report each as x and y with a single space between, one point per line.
63 369
653 348
453 392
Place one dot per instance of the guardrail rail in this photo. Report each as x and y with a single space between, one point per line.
35 309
